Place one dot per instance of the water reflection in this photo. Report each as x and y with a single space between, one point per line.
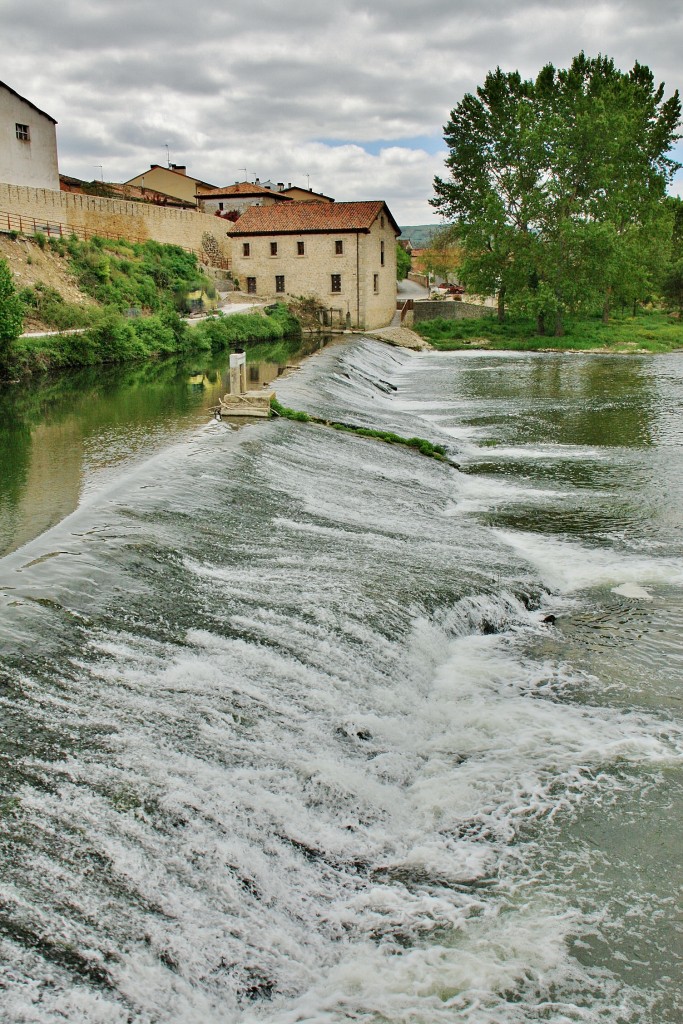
559 399
61 436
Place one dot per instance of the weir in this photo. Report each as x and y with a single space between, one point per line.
286 732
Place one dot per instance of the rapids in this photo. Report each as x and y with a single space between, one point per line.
286 737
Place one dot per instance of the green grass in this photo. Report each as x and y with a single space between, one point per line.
649 331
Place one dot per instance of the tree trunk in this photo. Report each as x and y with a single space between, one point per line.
501 305
559 326
605 307
540 323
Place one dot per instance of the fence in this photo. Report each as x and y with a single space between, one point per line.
10 222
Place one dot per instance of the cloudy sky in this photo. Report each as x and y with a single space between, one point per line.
350 96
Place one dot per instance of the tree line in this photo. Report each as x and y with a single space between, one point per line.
557 189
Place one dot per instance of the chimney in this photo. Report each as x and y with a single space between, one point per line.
257 182
180 168
280 186
289 184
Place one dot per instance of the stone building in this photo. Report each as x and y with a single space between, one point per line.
28 143
171 181
341 254
235 199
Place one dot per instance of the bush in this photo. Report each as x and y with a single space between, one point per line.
50 307
11 315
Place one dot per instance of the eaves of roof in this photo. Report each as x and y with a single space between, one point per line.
307 217
24 100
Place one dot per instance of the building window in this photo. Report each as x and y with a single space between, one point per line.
23 132
336 282
273 248
251 285
300 249
381 253
339 247
246 249
220 206
279 282
375 283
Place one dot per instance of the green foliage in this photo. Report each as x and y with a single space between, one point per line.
220 332
402 263
40 239
557 186
11 315
145 275
289 414
651 331
51 308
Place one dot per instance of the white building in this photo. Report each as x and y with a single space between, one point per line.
28 143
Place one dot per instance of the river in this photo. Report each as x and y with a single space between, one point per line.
288 733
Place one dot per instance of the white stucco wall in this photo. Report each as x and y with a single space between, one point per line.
32 163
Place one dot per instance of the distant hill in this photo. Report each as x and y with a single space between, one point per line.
419 234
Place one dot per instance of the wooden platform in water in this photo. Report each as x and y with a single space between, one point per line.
251 403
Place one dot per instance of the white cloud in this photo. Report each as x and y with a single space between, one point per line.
276 88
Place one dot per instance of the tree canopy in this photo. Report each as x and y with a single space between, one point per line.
402 263
557 186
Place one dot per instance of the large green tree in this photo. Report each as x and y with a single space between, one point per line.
11 314
557 185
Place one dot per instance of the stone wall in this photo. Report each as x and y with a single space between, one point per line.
448 311
95 215
309 273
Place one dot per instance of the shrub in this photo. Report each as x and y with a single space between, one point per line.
11 314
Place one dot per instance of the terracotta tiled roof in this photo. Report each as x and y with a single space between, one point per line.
243 188
296 218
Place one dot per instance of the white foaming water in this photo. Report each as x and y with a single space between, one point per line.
295 744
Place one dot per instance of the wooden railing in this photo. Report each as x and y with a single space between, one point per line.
11 222
405 307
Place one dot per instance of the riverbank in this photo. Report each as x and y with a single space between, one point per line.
651 331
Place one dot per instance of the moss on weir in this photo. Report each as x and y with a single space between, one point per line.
427 448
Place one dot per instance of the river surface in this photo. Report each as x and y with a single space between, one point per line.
286 736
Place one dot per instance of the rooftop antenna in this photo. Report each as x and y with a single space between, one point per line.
308 182
168 155
101 171
245 172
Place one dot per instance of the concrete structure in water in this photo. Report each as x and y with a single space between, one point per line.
239 401
28 142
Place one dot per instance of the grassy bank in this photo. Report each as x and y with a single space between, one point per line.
125 303
113 338
649 331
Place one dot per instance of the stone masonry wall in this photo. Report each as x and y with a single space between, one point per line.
448 311
135 221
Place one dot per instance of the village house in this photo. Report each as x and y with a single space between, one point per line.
235 199
296 192
28 143
171 181
341 254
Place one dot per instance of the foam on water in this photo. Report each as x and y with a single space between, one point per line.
293 742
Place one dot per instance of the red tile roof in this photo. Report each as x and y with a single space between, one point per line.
242 188
298 217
